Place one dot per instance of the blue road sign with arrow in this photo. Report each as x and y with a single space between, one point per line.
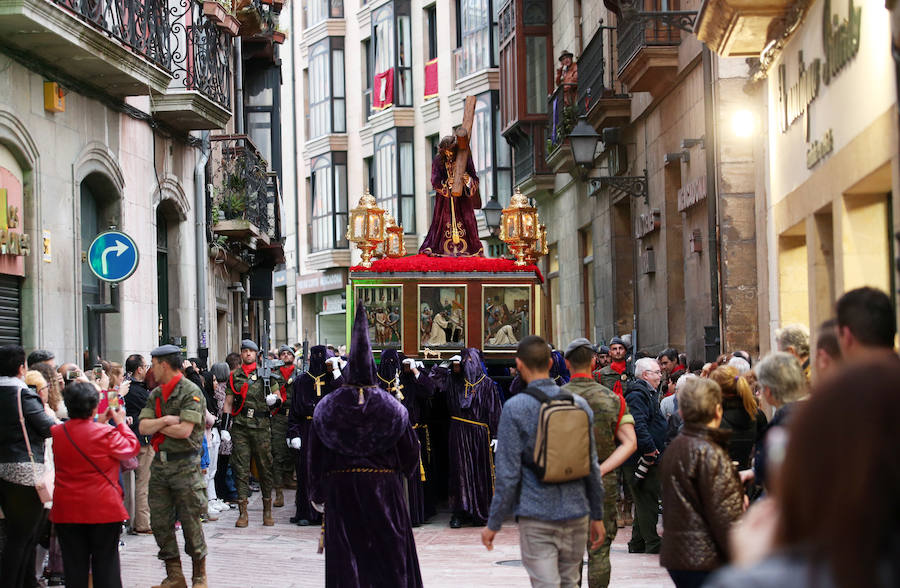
113 256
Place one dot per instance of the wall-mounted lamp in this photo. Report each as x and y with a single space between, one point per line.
677 156
236 287
688 143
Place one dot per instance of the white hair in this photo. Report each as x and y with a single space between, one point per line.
683 380
740 364
796 336
644 364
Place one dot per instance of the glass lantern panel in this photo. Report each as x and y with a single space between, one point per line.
359 228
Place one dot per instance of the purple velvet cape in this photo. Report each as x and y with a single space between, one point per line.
559 373
471 463
368 535
303 403
436 241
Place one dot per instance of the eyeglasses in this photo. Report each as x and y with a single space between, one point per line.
657 372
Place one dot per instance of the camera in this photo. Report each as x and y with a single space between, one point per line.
643 466
98 371
72 375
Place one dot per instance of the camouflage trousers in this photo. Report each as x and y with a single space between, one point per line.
282 460
177 492
250 444
599 569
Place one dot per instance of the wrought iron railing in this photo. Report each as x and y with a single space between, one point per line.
530 152
200 52
141 25
591 69
647 29
562 112
273 206
240 182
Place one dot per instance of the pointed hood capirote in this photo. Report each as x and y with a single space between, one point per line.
389 364
317 356
360 418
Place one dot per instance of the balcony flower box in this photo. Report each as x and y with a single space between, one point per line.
278 37
230 24
215 11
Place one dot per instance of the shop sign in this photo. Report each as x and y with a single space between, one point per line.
819 150
840 39
13 242
320 282
333 303
648 223
693 193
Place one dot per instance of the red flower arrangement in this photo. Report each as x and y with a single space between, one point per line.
426 263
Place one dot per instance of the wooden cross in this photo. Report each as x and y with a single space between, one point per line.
463 136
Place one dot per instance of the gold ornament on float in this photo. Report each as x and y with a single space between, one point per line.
366 227
519 226
393 245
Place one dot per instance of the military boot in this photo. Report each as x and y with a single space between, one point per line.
279 498
198 577
620 514
242 518
174 575
628 507
268 521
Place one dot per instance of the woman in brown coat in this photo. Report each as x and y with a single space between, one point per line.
701 492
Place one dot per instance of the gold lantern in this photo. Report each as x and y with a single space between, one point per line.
366 227
393 245
519 226
539 248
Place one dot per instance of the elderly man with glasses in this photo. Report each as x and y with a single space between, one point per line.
641 472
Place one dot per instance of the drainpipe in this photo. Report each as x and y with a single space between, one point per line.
713 334
238 88
200 247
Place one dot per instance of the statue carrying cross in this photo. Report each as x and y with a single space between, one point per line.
454 231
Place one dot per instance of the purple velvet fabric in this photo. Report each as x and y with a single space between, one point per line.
417 395
559 373
471 463
438 242
361 447
303 404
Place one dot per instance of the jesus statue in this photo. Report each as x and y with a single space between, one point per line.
454 231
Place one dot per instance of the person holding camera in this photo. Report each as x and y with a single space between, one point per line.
641 473
87 506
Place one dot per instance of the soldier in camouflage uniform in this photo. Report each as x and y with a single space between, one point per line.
246 420
282 460
177 491
612 423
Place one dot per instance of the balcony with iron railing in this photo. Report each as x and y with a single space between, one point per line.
600 96
647 47
245 213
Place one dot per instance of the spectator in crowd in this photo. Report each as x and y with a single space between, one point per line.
87 506
695 366
865 323
794 339
671 367
828 349
782 383
218 373
837 516
740 364
741 415
641 471
54 396
701 492
553 518
225 486
39 356
669 408
743 355
21 467
136 368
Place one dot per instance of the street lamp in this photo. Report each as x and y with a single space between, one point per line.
583 140
492 212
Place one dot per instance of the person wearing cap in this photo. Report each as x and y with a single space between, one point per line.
246 413
174 416
612 424
603 359
282 460
567 73
362 447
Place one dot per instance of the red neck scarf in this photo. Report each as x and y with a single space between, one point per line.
166 390
581 375
286 372
248 368
619 367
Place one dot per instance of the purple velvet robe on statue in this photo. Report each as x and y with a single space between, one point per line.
303 403
417 392
439 241
474 398
361 447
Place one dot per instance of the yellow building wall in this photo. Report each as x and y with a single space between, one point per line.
864 242
793 280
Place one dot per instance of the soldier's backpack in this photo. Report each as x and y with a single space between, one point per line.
562 449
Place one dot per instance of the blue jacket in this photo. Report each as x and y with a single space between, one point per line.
649 422
517 489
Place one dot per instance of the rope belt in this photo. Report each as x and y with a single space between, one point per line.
427 449
490 453
363 471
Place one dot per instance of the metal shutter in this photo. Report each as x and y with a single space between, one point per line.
10 310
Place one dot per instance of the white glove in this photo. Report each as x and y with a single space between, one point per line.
294 443
494 445
410 362
342 362
420 365
334 362
456 359
319 507
271 399
226 436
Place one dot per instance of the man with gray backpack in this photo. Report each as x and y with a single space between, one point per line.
547 474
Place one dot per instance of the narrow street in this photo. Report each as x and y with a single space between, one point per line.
284 556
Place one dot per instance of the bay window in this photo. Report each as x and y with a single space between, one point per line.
327 98
392 47
477 35
328 202
490 151
395 176
319 10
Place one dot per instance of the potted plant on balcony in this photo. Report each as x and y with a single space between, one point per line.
279 36
219 11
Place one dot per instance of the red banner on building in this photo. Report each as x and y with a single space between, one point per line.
383 90
431 79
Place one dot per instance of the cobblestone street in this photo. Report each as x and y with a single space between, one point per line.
284 556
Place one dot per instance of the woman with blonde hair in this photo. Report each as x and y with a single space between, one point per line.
740 414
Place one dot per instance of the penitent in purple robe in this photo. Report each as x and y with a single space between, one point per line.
415 394
361 447
559 373
439 240
473 400
303 402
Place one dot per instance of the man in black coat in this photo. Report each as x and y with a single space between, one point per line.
641 471
135 400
